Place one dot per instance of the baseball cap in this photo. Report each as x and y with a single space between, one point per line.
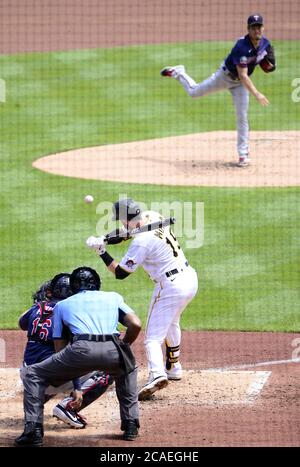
255 19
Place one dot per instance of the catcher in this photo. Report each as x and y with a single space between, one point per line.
38 322
234 74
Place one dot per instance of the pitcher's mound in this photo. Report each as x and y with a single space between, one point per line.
207 159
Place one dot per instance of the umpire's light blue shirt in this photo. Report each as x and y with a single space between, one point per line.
90 312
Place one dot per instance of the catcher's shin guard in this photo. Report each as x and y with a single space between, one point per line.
101 382
172 356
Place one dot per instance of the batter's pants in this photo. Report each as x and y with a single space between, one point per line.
170 298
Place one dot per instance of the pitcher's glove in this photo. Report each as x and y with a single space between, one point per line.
268 62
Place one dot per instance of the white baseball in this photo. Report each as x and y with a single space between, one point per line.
89 199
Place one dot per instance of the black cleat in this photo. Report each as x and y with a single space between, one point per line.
131 430
31 437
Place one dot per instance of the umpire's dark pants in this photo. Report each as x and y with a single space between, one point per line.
75 360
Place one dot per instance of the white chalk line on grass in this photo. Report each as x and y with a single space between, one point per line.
253 365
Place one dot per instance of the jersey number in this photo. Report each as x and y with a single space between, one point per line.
42 332
172 241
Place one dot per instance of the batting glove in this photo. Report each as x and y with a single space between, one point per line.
97 243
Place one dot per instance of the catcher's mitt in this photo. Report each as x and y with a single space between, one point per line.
268 62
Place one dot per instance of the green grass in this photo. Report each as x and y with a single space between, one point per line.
249 265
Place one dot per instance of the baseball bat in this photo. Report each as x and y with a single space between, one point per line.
118 234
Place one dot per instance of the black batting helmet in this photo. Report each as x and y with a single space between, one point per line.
43 292
126 209
84 278
60 286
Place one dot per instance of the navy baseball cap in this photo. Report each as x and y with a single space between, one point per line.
255 19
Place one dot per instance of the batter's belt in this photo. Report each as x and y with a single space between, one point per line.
171 273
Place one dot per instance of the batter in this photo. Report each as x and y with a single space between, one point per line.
233 74
176 284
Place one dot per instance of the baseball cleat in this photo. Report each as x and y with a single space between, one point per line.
244 161
31 437
172 71
69 416
175 374
131 431
153 385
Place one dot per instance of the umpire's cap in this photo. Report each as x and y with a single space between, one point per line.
60 286
84 278
126 209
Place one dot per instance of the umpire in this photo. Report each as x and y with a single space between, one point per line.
92 317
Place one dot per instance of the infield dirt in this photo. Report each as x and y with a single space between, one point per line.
205 408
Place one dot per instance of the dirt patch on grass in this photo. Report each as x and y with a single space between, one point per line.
206 159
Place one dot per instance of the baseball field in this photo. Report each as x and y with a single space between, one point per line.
87 112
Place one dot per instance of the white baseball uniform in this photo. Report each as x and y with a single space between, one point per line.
176 285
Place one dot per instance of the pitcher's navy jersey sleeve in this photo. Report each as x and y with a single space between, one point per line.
245 55
239 55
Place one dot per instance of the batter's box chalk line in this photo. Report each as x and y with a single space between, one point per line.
228 387
256 386
244 366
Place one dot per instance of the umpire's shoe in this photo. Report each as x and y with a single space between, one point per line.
131 429
31 437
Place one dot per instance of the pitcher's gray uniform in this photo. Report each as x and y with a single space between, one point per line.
243 55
